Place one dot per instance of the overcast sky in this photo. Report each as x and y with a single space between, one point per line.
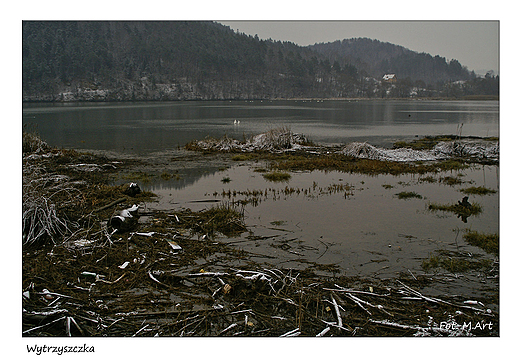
474 44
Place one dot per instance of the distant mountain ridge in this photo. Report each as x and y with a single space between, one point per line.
193 60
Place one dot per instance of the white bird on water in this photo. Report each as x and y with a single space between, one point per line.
237 122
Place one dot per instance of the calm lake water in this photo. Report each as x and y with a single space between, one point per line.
156 126
366 231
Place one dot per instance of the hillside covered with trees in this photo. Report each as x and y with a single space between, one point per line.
174 60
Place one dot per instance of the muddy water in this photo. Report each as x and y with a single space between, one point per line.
356 223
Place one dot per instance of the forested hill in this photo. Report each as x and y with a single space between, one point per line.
379 58
107 61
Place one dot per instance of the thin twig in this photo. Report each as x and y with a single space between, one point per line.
228 328
340 321
323 332
291 333
44 325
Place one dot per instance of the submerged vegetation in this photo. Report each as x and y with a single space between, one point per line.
408 195
478 190
277 176
461 262
222 218
487 242
456 263
457 208
425 143
463 209
350 164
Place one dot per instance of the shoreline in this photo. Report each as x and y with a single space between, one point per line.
466 98
180 253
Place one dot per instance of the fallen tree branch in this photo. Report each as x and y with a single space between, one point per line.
437 301
113 203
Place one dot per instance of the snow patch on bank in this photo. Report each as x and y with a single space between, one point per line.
272 140
479 150
282 139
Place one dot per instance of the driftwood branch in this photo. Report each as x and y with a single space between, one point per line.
439 301
113 203
340 321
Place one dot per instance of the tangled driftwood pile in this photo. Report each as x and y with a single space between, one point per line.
141 300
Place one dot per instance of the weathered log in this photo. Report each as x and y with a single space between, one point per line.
113 203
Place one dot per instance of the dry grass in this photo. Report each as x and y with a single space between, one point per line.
487 242
43 197
60 190
408 195
33 144
478 190
276 139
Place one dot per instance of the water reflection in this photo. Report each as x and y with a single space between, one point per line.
146 127
369 232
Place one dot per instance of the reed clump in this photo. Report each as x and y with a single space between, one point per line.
408 195
478 190
456 208
487 242
44 195
350 164
224 218
61 192
455 263
277 176
33 144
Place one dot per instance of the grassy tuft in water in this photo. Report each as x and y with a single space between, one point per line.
244 157
487 242
362 166
427 179
478 190
277 176
474 209
455 263
223 218
451 180
139 176
408 195
429 142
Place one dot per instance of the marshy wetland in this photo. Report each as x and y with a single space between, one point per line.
272 238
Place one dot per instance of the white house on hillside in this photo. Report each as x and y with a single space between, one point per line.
390 77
